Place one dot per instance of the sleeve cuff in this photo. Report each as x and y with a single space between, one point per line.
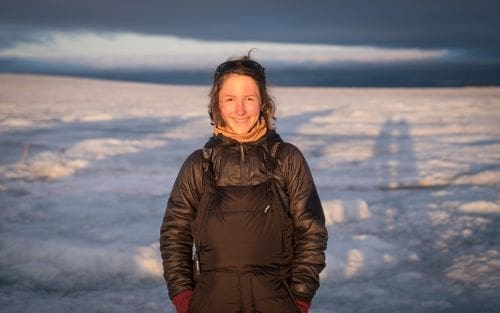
303 305
181 301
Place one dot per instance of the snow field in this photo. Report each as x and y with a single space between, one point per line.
409 180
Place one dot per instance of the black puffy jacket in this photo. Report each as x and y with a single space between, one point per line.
238 237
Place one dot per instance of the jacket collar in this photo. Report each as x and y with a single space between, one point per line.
220 139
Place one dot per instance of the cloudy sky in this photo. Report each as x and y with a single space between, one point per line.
380 42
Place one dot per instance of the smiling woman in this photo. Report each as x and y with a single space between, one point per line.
249 204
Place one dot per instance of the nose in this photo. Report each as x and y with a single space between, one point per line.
240 108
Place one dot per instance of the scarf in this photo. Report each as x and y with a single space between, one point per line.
255 133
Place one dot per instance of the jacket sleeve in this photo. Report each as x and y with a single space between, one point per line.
309 223
176 239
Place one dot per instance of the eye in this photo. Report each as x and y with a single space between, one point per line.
250 99
227 99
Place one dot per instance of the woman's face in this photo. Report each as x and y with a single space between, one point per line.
239 103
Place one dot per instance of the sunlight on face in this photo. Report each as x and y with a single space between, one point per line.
239 103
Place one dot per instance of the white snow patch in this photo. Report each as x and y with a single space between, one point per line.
482 207
16 123
66 265
439 217
345 211
98 117
103 148
482 271
45 165
147 260
51 165
362 256
482 178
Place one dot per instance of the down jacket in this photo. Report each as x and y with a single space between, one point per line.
239 169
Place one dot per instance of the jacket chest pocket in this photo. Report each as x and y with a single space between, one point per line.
242 227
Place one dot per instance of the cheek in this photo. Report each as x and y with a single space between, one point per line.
254 109
225 110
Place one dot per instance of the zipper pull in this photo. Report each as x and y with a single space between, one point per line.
266 209
242 151
197 264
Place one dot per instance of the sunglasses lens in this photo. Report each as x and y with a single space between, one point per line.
230 66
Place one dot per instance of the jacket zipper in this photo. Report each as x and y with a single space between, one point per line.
277 224
242 161
242 152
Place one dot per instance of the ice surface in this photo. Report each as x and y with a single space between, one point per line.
409 180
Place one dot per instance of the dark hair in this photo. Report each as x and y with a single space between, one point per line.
244 65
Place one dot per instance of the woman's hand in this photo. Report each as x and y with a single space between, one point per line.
182 300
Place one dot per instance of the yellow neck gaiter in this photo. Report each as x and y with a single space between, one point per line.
259 130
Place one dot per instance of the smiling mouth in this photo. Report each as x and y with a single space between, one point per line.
241 120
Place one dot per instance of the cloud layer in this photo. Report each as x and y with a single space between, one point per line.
129 50
436 24
443 42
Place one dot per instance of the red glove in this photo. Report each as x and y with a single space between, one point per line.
303 305
182 300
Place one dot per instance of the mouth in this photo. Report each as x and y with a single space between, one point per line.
240 120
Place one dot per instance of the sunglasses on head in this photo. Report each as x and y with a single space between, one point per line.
230 66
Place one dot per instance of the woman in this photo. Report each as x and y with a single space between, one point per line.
249 204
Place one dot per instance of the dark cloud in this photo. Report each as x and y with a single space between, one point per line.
425 24
468 28
407 74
